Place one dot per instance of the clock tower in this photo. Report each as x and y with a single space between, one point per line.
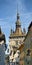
16 38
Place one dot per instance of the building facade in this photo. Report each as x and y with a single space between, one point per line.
28 47
2 48
20 46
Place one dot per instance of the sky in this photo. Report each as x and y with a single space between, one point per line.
8 15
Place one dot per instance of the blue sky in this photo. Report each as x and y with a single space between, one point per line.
8 13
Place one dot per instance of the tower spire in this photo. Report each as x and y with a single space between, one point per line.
18 23
17 7
17 12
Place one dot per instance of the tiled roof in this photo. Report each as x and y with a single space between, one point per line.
17 34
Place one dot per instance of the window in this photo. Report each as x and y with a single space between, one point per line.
18 56
28 52
0 57
14 52
8 50
11 52
16 42
31 40
28 62
20 42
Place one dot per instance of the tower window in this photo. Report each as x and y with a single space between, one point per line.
28 62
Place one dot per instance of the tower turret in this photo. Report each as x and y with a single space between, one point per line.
18 24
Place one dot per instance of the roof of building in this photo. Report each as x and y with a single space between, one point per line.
18 32
2 36
28 31
30 25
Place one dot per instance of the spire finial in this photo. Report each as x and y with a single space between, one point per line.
17 12
17 7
